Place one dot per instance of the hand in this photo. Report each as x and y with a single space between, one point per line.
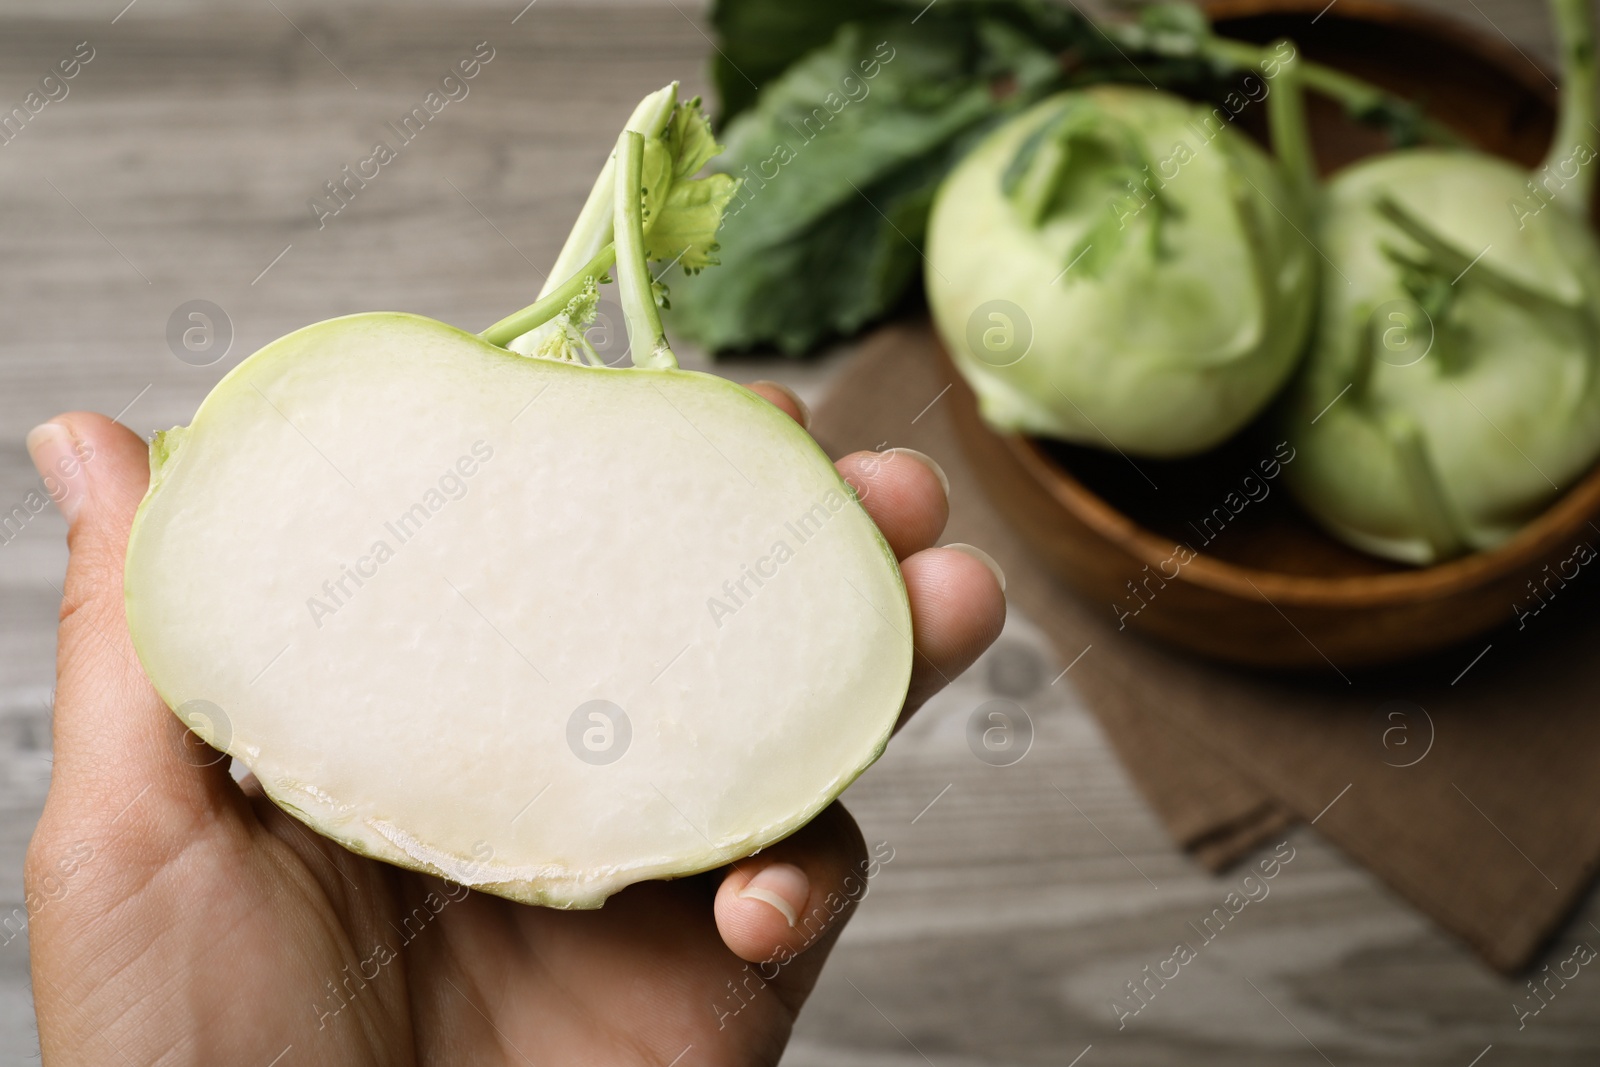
179 917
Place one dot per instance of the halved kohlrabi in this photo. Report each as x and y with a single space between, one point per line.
542 627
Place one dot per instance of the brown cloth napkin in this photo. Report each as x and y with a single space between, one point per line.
1470 786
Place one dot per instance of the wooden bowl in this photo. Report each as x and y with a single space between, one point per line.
1272 589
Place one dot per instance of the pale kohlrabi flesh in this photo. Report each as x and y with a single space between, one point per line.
400 561
1453 386
540 627
1118 267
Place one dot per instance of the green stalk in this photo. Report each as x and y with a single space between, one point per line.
1041 179
1434 514
1450 260
551 304
590 249
593 230
1575 30
1291 135
1356 96
1366 355
645 334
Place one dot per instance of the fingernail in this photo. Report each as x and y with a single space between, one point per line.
783 886
984 558
51 448
927 461
800 405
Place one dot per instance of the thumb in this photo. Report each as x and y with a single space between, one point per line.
782 909
113 735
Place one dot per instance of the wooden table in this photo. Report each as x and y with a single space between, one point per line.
180 167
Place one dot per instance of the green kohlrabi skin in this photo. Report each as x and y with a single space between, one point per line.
1437 416
1120 268
1451 392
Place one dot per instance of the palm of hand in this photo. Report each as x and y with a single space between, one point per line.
253 939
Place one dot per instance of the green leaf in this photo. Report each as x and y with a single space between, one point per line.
684 229
690 140
682 213
841 274
760 39
1179 20
840 160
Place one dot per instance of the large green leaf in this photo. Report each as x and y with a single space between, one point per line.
760 39
839 159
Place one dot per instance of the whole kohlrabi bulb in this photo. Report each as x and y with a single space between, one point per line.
1121 268
1453 388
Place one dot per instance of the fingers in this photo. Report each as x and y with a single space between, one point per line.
782 909
957 593
958 607
784 399
905 492
111 729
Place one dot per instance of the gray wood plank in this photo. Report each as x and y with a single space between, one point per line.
180 166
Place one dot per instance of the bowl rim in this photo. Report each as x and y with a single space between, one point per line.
1558 523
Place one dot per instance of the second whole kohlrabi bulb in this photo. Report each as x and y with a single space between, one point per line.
1454 386
1452 390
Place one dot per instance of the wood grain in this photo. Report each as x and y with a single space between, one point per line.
180 166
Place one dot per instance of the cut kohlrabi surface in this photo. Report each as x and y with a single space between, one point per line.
1121 268
1453 386
540 626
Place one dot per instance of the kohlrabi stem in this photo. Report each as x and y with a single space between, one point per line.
1356 96
1572 153
552 303
1434 514
1366 355
593 230
1291 135
645 334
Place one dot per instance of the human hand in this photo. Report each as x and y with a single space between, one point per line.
177 916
